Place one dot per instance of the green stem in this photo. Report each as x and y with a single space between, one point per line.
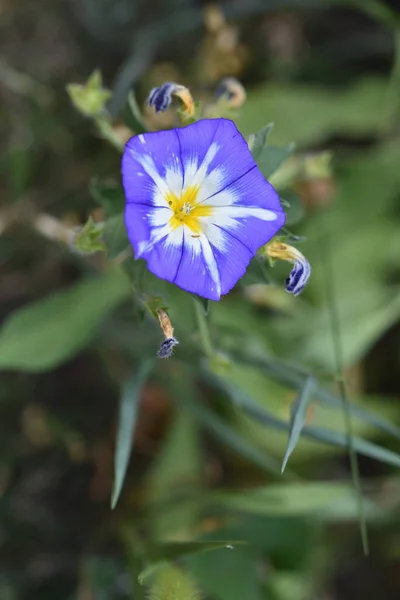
334 316
106 130
204 331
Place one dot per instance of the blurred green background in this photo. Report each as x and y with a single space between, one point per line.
204 511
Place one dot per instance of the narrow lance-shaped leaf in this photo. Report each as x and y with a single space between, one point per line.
128 408
230 437
295 377
172 551
321 499
297 417
321 434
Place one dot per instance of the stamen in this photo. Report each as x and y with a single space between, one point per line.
187 208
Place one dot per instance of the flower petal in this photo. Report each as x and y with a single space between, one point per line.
198 270
231 253
152 167
185 260
216 147
164 255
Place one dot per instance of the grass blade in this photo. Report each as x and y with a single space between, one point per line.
186 396
327 436
231 438
129 403
295 377
324 500
329 276
297 417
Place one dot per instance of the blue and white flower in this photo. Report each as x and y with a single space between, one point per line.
197 206
160 98
300 274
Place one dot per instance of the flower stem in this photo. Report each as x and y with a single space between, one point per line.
334 317
204 331
106 130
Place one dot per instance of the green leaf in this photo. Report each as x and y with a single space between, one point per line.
268 158
228 574
171 551
258 141
362 326
128 408
293 207
310 113
230 437
108 196
335 438
177 470
46 333
89 99
272 157
115 236
297 417
88 239
295 378
321 434
320 499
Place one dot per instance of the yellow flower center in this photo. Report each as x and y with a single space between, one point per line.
186 210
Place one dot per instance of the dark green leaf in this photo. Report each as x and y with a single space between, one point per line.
228 574
108 196
115 236
174 550
171 551
46 333
297 417
129 403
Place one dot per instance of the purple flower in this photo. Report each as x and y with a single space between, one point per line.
197 207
